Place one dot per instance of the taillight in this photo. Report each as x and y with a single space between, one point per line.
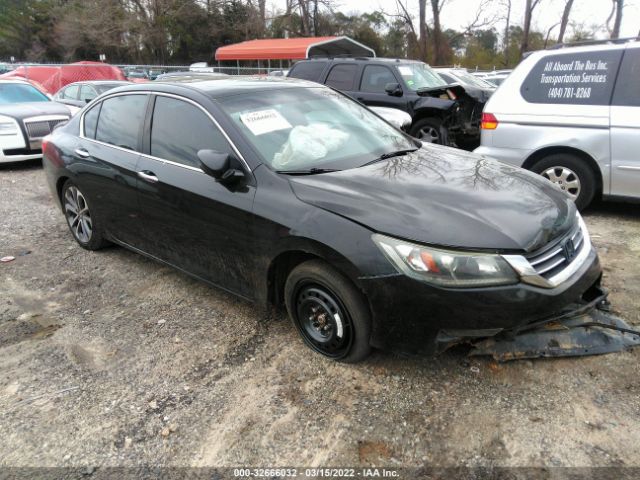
489 121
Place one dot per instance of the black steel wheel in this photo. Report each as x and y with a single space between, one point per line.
323 320
328 311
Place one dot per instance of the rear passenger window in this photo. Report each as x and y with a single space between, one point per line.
121 119
71 92
308 70
584 78
342 76
91 121
375 79
627 92
180 129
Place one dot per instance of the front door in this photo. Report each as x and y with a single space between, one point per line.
188 218
625 127
372 88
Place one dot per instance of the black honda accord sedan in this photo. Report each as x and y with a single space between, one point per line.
287 192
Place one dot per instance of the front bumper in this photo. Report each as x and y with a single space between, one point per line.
408 314
22 157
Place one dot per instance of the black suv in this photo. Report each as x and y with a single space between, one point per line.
442 113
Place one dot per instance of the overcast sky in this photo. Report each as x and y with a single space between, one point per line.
459 13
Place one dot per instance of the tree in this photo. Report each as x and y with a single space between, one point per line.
505 40
565 20
530 6
616 14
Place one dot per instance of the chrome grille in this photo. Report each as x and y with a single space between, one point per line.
40 128
552 261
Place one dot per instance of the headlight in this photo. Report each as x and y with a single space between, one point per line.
8 126
446 268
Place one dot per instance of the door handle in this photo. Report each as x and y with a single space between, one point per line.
148 176
81 152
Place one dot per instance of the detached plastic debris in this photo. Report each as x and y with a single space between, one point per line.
6 259
588 330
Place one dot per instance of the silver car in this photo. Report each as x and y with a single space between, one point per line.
573 116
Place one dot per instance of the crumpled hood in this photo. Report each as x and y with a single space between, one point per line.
443 196
21 111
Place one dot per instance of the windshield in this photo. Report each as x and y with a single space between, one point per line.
308 128
418 75
20 93
472 80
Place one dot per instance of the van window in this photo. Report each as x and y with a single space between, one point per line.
627 92
341 76
308 70
584 78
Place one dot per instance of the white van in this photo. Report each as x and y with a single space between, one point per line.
572 115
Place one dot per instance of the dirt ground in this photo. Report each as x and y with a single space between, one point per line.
107 358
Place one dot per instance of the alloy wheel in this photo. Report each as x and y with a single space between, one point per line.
78 215
565 178
324 322
429 134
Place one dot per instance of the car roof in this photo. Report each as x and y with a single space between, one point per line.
99 82
363 59
14 80
221 86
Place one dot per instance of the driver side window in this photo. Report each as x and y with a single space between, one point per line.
179 130
375 78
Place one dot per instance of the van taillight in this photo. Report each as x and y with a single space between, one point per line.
489 121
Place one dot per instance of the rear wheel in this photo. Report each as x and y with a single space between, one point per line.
428 130
85 228
571 173
328 311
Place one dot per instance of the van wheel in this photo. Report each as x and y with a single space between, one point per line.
428 130
328 311
571 174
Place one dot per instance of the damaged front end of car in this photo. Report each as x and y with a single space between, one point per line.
462 109
580 329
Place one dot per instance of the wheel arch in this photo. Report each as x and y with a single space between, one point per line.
283 263
59 184
589 160
422 113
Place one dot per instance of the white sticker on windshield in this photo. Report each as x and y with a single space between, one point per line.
405 70
264 121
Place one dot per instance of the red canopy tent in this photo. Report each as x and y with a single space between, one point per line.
293 49
53 78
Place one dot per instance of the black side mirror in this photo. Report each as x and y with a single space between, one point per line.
87 100
218 165
393 89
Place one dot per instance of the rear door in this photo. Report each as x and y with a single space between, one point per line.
625 127
108 154
372 88
343 77
188 218
69 96
87 93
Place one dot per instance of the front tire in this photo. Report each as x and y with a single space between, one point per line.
85 228
428 130
571 173
329 312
